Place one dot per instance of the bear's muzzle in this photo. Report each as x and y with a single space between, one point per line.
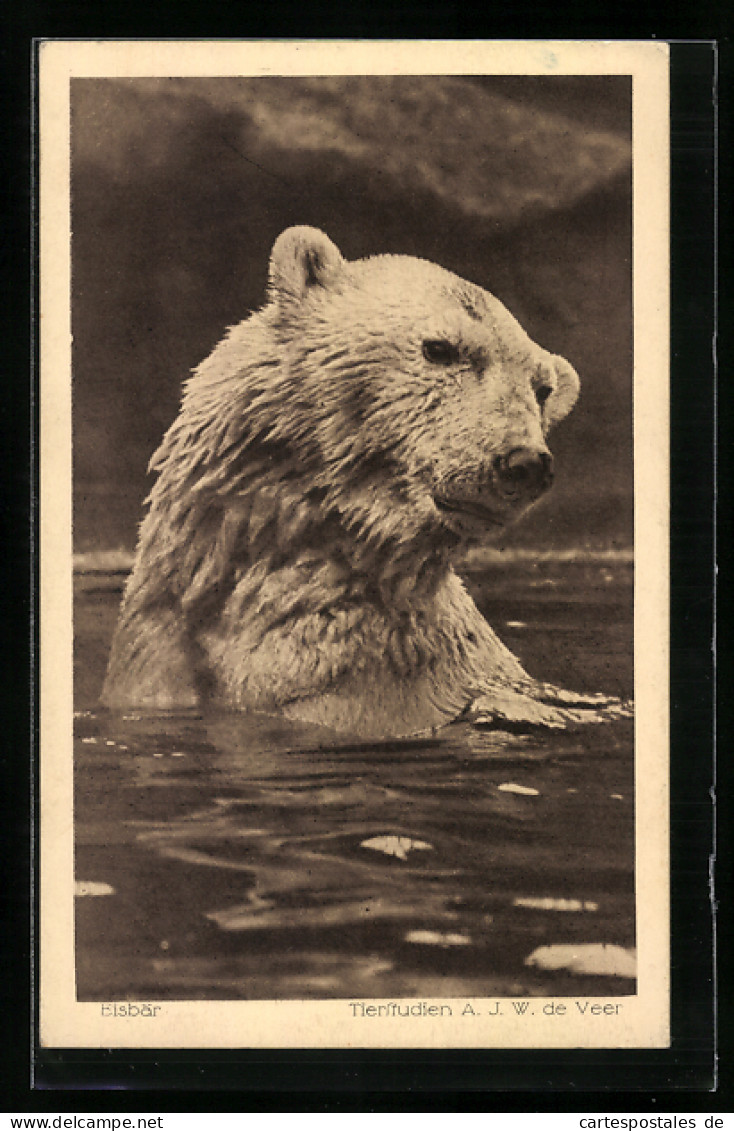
524 473
507 486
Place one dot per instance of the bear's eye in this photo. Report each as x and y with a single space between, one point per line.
542 393
440 352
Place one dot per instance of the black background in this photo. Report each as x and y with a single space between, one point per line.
680 1079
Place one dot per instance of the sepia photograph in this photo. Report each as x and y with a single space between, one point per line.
354 529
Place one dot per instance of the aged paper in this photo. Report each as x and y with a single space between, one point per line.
641 1020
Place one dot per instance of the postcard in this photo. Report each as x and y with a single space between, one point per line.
354 544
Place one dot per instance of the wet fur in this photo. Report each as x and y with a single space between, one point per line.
294 558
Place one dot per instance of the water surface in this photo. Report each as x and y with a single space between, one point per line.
224 856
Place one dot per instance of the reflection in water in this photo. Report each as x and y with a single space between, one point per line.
250 857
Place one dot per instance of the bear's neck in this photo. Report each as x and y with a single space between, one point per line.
368 542
390 576
268 524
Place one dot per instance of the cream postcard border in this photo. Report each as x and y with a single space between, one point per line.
644 1019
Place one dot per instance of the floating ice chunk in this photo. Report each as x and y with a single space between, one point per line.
616 797
398 846
513 787
516 624
438 938
547 903
587 958
90 741
92 887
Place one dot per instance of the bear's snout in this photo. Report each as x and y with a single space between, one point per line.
523 473
498 492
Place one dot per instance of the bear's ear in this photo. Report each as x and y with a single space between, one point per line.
565 392
302 258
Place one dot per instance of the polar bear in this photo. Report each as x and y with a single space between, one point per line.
332 458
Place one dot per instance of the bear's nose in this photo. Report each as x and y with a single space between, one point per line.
524 471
